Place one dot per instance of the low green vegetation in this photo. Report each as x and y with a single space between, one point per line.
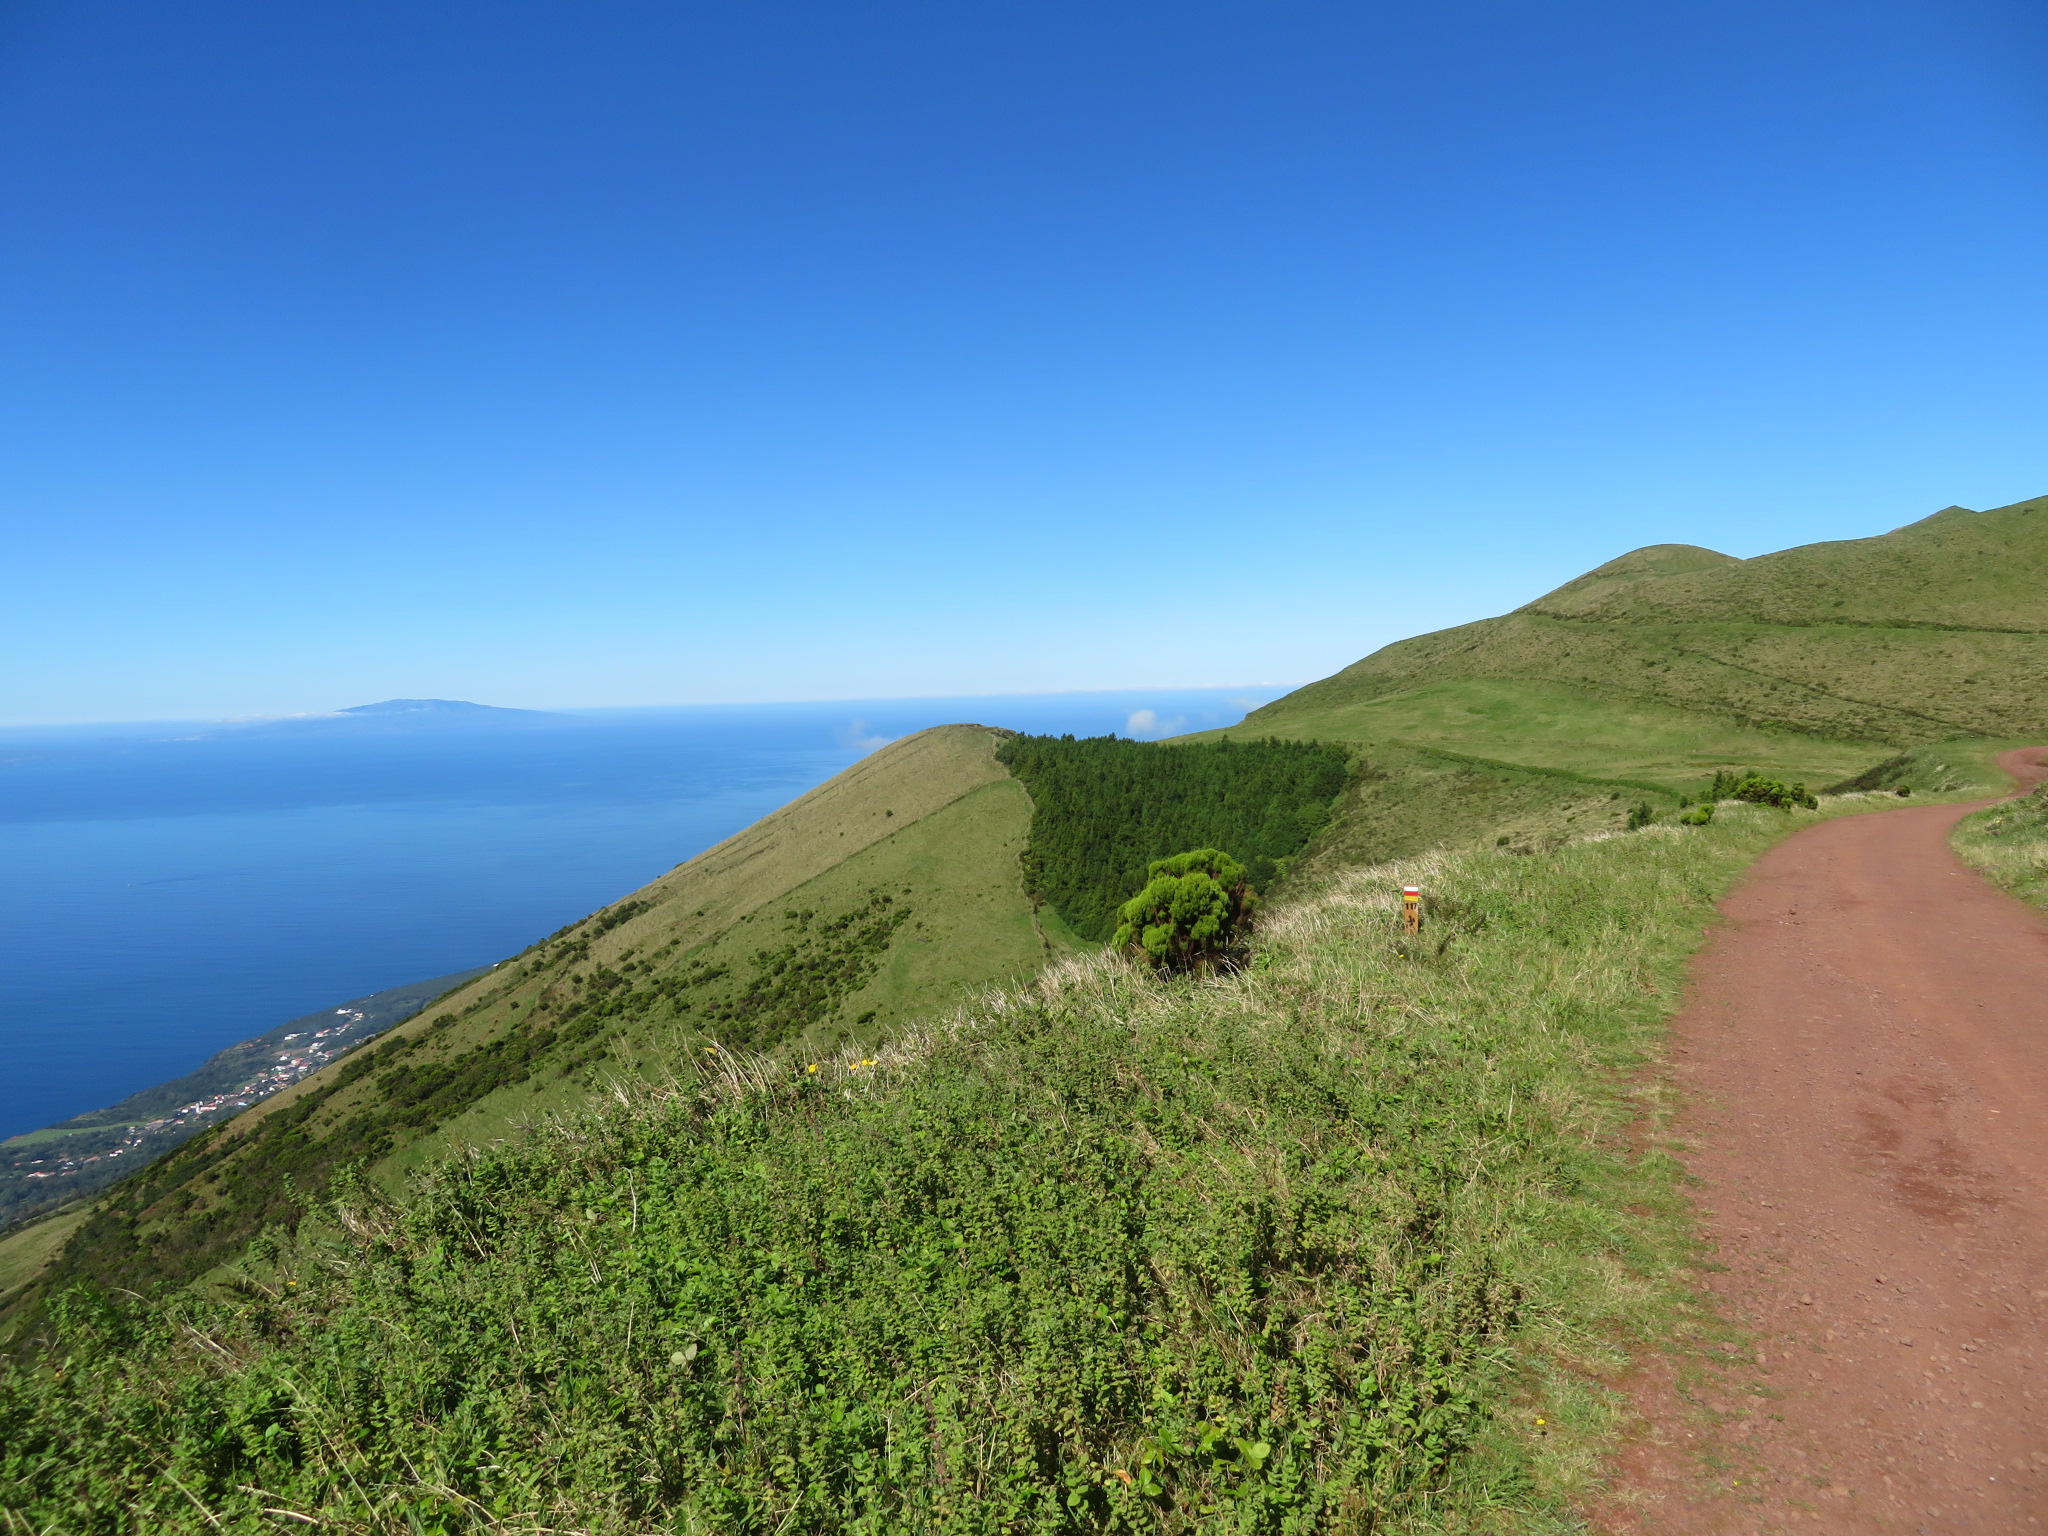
2009 843
1757 789
1306 1247
801 981
1103 809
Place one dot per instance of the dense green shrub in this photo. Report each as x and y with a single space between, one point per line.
1193 915
1758 790
1103 809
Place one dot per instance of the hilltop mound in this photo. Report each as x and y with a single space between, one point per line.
1955 570
1674 659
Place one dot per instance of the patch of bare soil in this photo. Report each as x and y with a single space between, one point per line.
1863 1069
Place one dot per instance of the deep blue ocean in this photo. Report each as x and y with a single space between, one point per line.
169 889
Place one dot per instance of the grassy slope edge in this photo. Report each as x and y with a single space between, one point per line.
1306 1248
2009 844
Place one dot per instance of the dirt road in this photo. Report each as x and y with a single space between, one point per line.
1864 1071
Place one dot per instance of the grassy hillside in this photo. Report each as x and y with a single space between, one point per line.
1672 661
890 891
1312 1247
856 1245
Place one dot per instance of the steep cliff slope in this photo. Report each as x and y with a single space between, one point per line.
892 889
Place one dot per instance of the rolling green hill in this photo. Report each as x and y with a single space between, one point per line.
1661 667
920 875
768 1209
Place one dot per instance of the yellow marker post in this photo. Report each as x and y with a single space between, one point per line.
1411 908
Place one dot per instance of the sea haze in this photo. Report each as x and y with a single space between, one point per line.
168 890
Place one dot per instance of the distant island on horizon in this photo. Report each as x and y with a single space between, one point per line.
459 707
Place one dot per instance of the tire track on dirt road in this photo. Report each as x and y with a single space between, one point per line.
1862 1063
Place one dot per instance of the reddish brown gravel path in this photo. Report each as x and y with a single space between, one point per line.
1863 1072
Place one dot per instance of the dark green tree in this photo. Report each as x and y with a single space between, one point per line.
1193 915
1758 790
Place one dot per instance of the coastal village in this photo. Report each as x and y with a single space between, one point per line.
320 1047
47 1169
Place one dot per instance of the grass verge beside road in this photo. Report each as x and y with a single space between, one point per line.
2009 844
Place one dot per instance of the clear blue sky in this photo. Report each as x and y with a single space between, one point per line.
582 354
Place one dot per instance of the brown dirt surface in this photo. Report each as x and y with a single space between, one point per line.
1862 1071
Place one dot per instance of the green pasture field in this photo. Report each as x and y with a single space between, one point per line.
27 1248
61 1132
1542 726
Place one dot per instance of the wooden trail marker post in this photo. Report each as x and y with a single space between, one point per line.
1411 909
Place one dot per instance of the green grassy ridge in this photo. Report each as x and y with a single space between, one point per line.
1064 1264
1793 660
1104 808
1984 567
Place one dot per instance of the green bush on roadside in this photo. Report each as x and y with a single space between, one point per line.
1757 789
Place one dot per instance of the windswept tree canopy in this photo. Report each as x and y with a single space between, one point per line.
1194 913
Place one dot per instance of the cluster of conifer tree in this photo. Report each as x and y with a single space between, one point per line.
1759 790
1105 808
